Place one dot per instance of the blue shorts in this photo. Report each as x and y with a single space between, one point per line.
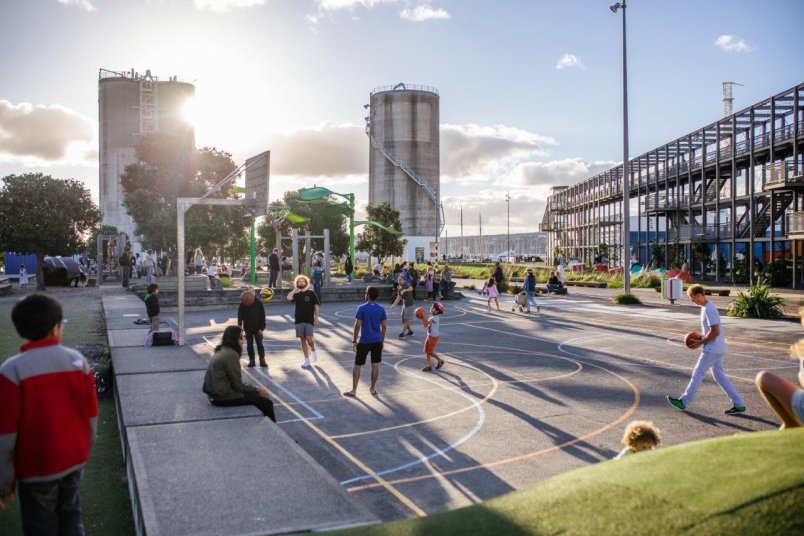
797 404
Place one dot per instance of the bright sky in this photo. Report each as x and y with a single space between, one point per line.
530 89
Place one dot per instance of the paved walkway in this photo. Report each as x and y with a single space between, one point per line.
794 299
198 469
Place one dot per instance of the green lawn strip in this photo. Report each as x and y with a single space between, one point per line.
750 483
104 493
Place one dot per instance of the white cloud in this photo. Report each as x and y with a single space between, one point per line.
570 60
423 12
220 6
473 153
732 43
559 172
83 4
46 135
328 150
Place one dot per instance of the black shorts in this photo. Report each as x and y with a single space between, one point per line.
363 350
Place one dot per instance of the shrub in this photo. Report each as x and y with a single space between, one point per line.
758 302
514 289
626 298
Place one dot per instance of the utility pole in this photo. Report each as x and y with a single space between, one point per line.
508 228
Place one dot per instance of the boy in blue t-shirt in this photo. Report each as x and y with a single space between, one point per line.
370 325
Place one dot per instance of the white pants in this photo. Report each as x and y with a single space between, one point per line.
712 361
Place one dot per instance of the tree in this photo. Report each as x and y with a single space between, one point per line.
378 242
319 216
166 170
43 215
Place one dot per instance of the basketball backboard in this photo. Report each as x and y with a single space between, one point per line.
257 177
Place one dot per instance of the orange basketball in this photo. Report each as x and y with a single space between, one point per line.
692 337
419 312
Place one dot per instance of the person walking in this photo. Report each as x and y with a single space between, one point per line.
714 350
125 266
499 277
223 381
198 261
529 287
490 289
23 276
148 264
48 420
273 266
370 324
348 268
405 295
306 317
251 317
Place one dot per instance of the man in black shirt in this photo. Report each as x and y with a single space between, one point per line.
306 316
251 317
273 265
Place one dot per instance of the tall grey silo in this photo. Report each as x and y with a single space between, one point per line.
130 106
404 168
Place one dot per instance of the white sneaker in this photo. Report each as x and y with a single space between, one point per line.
315 356
306 363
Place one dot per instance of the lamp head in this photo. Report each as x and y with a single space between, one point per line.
617 6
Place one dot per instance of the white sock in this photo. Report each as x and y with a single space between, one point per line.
306 363
315 356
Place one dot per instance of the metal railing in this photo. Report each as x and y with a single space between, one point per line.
404 87
705 232
666 202
795 223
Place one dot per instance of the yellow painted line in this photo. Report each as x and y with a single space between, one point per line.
346 454
441 474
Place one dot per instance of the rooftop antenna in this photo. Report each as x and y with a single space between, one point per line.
728 99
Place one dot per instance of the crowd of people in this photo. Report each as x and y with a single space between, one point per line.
42 457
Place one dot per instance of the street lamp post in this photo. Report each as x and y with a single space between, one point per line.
508 228
626 178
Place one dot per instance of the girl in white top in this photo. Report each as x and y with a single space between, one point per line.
490 288
431 325
785 398
23 276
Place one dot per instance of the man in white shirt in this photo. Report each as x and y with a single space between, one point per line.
712 354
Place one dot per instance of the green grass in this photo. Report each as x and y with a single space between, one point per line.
626 298
104 493
745 484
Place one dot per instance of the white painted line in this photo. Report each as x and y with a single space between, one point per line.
476 402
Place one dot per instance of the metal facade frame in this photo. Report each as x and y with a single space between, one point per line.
734 186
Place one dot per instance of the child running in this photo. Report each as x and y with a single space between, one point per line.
431 325
490 288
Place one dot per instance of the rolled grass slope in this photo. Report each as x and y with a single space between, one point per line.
744 484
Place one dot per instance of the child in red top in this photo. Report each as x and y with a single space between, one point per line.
48 416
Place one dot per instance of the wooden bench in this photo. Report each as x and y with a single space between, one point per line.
543 290
590 284
707 291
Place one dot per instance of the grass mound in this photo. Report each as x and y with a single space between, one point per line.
744 484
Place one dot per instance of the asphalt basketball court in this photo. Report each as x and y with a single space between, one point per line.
521 397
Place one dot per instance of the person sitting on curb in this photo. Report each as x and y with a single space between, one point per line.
639 436
786 399
223 382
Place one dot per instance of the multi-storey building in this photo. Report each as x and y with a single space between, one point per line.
728 197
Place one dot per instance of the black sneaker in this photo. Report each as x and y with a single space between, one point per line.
735 410
409 333
252 364
402 335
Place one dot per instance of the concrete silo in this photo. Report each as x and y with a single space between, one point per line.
130 106
403 130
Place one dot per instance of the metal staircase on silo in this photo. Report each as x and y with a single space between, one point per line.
410 173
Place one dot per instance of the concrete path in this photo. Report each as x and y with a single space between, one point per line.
198 469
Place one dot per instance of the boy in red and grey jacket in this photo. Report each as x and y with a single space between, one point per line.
48 417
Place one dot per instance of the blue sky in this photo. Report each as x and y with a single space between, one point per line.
292 76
